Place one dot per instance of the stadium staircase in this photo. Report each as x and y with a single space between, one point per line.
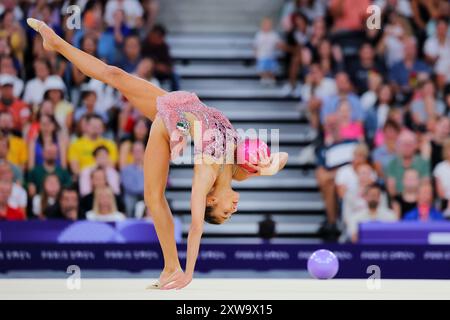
213 53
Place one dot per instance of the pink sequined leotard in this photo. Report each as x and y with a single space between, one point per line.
218 135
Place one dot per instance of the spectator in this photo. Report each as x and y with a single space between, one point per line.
318 34
89 105
316 89
48 196
133 12
155 47
423 11
377 115
346 176
353 201
266 43
405 74
132 54
151 10
297 53
441 175
348 15
103 161
433 150
406 158
54 91
35 88
437 47
426 106
348 129
47 134
407 200
6 211
14 33
98 181
132 177
329 159
145 70
105 207
391 45
13 105
81 150
370 96
367 62
309 8
4 150
395 114
331 104
42 10
66 207
111 40
385 153
425 211
17 153
141 129
107 98
9 66
329 56
49 166
18 195
45 108
374 212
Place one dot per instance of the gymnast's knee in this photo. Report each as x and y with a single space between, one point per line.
154 201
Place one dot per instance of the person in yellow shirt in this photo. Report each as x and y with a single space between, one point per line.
81 150
17 153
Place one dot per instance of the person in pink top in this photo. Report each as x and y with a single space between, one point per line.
349 130
175 116
342 122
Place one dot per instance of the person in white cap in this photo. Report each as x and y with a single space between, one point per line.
8 102
54 91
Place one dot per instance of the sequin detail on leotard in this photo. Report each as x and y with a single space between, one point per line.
172 108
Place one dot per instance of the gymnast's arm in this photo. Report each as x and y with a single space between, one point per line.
202 182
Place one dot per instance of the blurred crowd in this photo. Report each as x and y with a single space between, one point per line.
72 147
378 98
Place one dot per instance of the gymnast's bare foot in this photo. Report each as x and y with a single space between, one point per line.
50 38
165 278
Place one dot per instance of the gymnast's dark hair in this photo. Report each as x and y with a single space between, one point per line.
209 217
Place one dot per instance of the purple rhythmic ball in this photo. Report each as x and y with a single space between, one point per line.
323 264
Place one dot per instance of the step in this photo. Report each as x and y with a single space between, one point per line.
215 15
234 89
215 70
262 110
181 178
202 53
260 201
223 40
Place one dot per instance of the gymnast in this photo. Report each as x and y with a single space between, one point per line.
175 116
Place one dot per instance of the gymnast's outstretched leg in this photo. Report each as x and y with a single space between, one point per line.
141 94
